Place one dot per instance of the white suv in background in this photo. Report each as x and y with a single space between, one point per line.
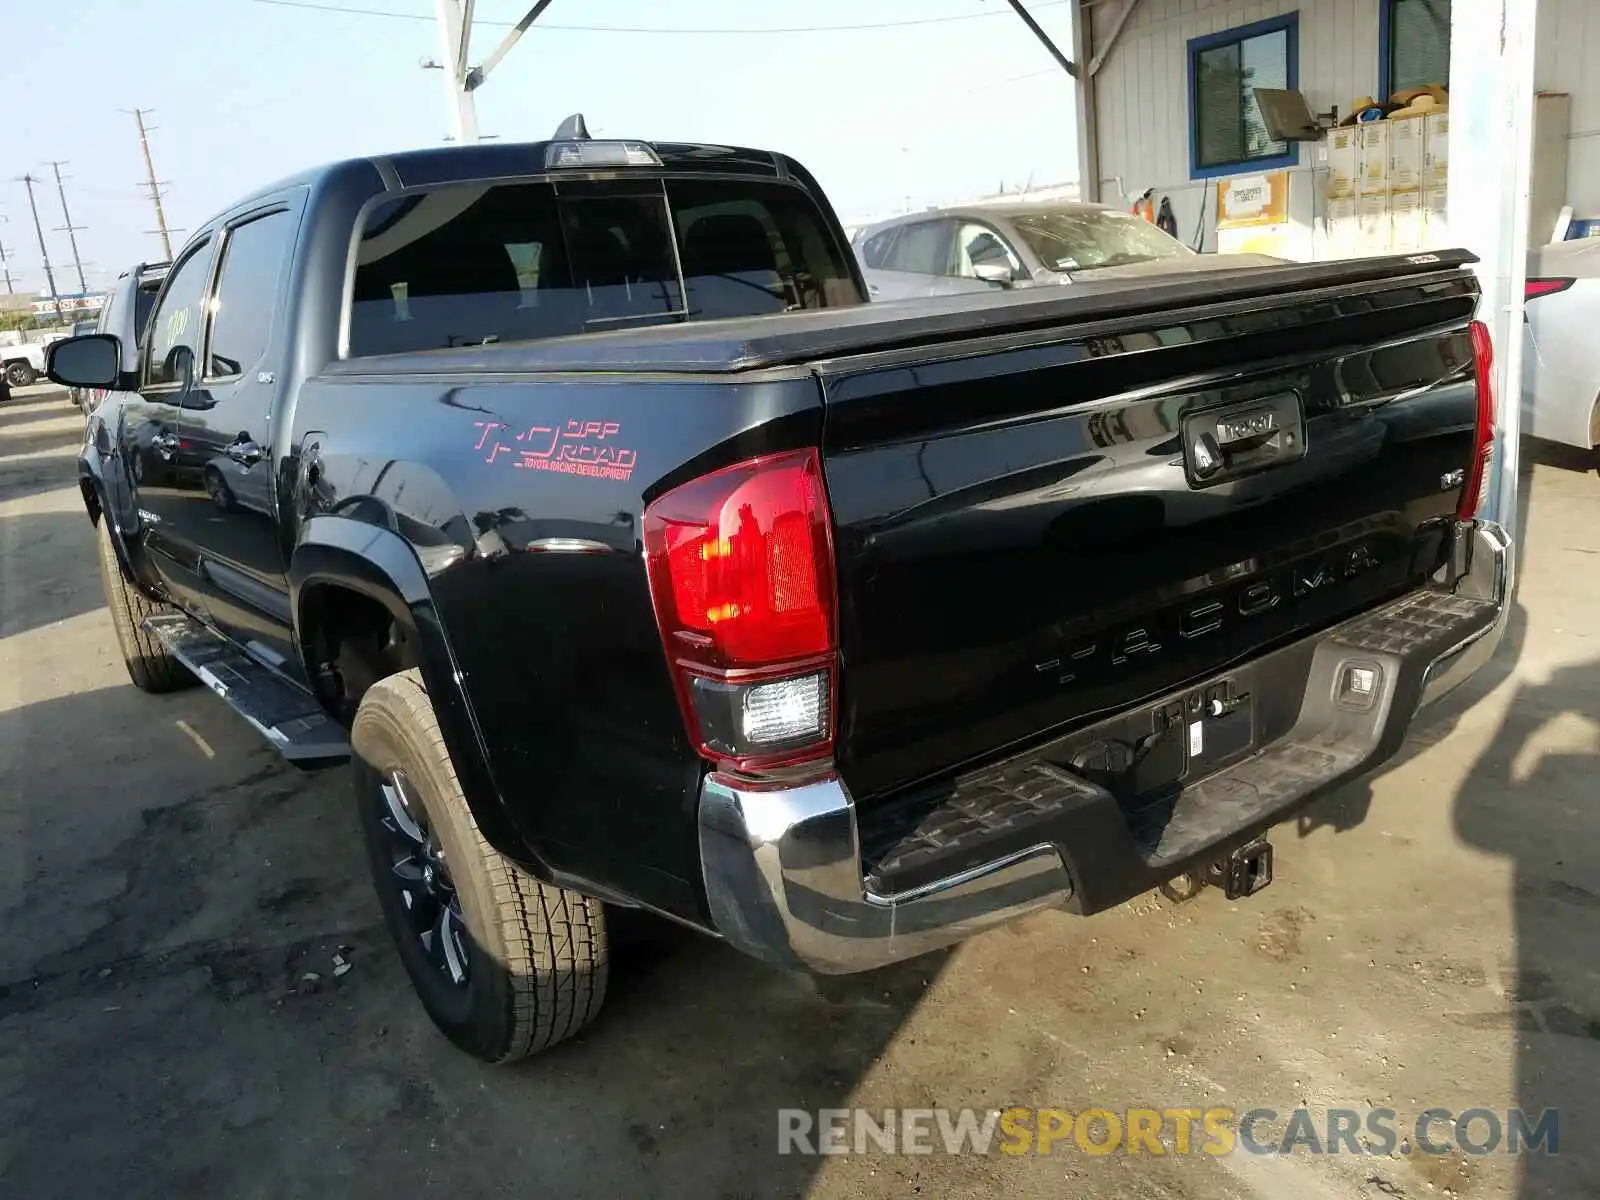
23 364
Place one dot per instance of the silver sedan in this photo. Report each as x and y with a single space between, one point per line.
981 247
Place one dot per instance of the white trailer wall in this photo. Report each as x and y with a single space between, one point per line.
1141 90
1567 59
1141 103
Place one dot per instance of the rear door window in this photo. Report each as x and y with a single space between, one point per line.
876 248
144 299
253 259
922 249
471 265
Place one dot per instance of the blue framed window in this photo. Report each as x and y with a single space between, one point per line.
1413 45
1226 133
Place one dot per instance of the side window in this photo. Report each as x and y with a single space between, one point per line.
144 299
920 249
106 322
876 248
253 259
979 245
1226 132
1419 44
175 325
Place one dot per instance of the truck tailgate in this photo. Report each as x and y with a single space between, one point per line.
1037 528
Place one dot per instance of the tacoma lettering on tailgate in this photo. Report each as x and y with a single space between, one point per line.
1100 654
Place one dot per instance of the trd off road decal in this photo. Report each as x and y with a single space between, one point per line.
578 448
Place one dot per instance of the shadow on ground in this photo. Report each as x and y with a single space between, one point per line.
1552 1014
50 572
15 418
156 1020
31 439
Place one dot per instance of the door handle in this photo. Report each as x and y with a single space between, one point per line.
246 453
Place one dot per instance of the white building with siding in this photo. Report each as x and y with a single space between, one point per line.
1144 131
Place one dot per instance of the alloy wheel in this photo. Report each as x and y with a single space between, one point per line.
421 876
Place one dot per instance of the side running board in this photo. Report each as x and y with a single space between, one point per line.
282 713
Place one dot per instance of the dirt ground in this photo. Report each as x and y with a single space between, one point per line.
1432 939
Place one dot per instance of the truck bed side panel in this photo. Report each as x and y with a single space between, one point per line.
522 499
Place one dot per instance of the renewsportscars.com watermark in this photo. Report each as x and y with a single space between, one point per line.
1166 1131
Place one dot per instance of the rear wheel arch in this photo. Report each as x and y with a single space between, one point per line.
368 616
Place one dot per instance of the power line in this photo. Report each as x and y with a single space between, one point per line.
316 6
69 228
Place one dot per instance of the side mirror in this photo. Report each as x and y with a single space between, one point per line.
997 273
91 361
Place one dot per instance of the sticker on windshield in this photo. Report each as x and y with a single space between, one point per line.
586 448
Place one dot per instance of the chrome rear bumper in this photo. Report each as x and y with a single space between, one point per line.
1491 575
784 882
783 869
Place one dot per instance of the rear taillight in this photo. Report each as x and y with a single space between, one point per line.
1483 441
741 574
1534 288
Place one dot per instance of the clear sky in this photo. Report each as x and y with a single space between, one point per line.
247 91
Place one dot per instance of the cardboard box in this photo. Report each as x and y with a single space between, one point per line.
1406 139
1405 221
1339 152
1372 149
1436 148
1436 219
1372 225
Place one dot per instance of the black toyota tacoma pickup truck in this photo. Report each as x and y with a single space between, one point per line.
575 493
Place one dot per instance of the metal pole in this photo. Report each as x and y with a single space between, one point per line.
1067 65
1088 123
476 76
154 184
70 229
1491 139
5 268
44 254
454 36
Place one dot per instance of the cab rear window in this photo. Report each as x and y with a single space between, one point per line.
473 265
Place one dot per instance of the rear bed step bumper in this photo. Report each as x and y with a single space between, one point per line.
784 871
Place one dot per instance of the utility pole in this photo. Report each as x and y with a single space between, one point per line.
44 254
154 184
5 267
455 32
461 81
69 228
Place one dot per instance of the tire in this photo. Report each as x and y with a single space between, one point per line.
20 374
150 666
536 955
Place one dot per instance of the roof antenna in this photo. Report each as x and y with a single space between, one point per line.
572 130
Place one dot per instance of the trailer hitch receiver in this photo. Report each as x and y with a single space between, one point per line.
1244 870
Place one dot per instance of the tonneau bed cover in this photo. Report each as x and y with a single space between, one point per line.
757 343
